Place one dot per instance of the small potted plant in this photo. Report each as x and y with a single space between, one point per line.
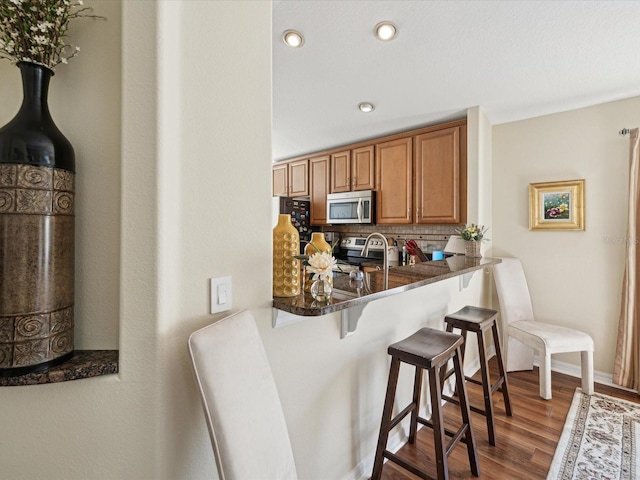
473 235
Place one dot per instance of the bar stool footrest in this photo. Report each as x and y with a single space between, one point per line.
497 386
494 387
398 418
473 380
471 407
455 436
407 466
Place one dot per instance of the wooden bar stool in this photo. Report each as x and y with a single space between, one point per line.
431 350
478 320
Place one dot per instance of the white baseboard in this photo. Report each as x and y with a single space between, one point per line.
575 371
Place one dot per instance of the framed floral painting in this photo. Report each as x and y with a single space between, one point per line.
556 205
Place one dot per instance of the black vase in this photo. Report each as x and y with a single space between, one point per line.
37 217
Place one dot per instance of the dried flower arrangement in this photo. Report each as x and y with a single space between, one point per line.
35 30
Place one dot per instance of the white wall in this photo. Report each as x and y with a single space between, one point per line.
575 278
173 141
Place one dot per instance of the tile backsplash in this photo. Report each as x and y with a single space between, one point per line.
429 237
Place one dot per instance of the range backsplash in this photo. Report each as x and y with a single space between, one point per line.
426 235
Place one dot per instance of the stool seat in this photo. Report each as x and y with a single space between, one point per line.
426 347
430 350
478 320
473 319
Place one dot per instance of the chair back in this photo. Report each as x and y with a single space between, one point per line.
513 291
240 399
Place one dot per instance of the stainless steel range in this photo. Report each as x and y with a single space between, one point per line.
350 251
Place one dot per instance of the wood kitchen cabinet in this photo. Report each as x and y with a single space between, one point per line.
290 179
353 170
394 178
319 168
440 177
420 176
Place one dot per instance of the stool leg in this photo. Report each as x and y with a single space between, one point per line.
486 388
417 389
466 415
503 374
438 424
444 371
386 418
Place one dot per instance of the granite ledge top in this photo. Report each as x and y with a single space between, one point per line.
83 364
349 293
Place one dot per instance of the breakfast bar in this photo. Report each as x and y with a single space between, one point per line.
350 295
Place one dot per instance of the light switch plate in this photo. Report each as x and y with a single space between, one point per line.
221 298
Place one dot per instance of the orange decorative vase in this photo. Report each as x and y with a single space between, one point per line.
316 245
286 268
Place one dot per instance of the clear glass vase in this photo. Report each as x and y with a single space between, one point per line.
321 289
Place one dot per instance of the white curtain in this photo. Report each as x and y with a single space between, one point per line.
626 368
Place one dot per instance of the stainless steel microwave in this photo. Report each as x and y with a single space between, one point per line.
351 207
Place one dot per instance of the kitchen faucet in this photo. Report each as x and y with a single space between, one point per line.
385 261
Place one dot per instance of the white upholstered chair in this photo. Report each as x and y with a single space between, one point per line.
241 403
524 335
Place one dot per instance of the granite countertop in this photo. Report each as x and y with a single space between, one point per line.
349 293
83 364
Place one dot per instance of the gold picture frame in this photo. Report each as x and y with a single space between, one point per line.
557 205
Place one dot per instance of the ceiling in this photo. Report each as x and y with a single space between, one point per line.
515 59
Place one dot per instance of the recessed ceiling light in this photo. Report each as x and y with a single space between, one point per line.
385 31
292 38
366 107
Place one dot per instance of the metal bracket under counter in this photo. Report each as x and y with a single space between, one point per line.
349 318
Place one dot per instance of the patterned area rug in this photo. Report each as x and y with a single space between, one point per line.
599 440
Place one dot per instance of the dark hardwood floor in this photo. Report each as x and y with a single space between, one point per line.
526 441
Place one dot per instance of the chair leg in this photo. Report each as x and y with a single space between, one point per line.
386 418
545 375
586 358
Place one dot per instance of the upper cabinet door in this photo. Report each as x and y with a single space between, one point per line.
341 172
319 188
363 169
394 180
279 179
290 179
299 178
439 177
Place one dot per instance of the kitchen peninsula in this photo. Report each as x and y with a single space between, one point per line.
349 292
